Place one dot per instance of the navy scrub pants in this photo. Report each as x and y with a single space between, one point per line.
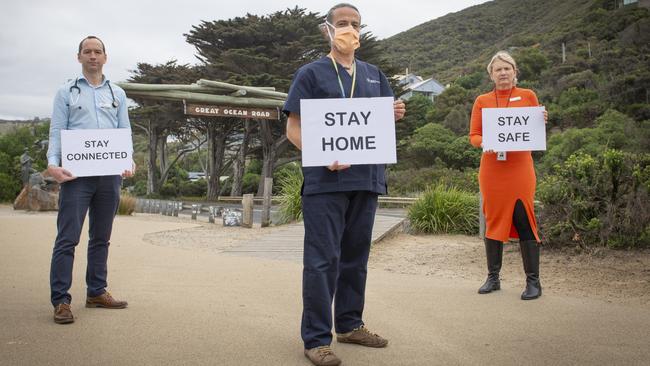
100 197
338 231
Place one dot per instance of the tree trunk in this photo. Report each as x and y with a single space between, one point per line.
239 165
162 159
271 150
152 172
216 148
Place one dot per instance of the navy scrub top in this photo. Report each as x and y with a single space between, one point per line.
318 80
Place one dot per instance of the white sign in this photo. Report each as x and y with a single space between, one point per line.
88 153
350 131
514 129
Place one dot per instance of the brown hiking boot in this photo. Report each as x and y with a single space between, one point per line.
322 356
62 314
105 300
363 337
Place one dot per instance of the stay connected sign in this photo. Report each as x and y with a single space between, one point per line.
97 152
351 131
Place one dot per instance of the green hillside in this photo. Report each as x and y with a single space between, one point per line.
451 46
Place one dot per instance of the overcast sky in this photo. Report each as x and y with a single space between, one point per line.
39 38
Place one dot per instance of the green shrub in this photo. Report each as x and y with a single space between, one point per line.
443 210
198 188
290 200
283 171
140 188
597 201
250 182
169 189
9 188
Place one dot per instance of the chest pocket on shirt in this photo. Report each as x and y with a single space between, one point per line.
78 113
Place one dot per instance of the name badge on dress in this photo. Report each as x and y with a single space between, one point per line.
501 156
514 99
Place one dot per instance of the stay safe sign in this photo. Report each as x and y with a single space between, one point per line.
514 129
87 153
351 131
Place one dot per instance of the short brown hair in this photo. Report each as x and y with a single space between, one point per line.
91 37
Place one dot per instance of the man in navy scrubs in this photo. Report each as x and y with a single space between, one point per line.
338 201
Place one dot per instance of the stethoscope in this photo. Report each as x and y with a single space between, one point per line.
115 103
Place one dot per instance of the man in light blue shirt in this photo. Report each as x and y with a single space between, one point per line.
90 101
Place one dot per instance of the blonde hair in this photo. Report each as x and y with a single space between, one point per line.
505 57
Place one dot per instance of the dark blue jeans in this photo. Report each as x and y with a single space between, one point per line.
338 232
100 197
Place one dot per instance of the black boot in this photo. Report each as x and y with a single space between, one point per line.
530 257
494 254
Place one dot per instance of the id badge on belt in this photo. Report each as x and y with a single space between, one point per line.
501 156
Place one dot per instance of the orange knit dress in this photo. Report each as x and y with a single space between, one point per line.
502 183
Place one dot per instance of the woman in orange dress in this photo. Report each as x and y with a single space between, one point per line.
507 181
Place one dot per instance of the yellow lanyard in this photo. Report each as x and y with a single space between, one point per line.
354 76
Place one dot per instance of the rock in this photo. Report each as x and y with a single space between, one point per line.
41 200
42 194
21 203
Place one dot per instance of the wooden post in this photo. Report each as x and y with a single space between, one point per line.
247 215
266 208
194 211
211 215
177 207
163 208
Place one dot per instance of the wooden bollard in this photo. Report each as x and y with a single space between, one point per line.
194 211
163 208
247 212
211 215
266 205
176 209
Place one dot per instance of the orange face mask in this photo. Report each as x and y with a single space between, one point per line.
345 39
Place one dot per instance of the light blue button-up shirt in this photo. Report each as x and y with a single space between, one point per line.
90 108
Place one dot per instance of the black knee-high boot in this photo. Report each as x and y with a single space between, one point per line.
494 254
530 257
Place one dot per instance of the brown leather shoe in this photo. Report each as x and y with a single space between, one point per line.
363 337
62 314
322 356
105 300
